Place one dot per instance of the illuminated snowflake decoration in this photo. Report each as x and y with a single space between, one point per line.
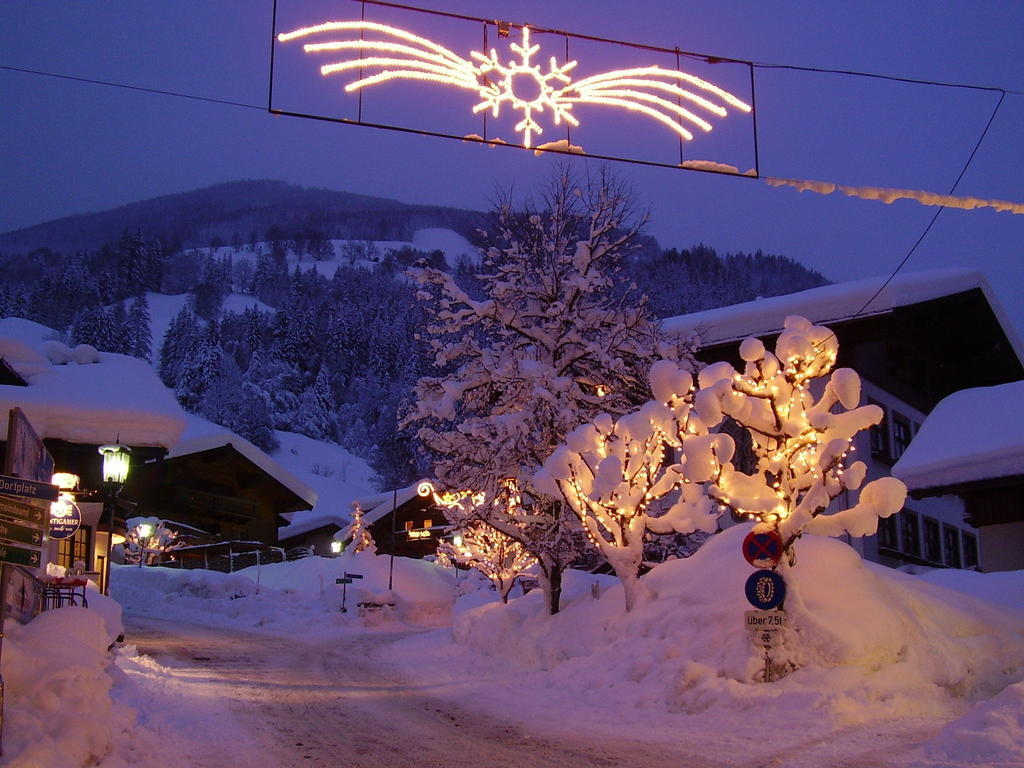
654 91
525 87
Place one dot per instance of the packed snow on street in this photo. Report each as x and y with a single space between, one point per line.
262 668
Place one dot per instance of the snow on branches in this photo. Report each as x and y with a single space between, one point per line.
801 441
476 543
611 471
147 539
551 344
357 533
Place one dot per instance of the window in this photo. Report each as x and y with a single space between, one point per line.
909 533
952 536
408 525
900 434
75 548
887 538
970 549
932 541
880 433
428 523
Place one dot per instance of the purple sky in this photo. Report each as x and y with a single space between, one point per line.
72 147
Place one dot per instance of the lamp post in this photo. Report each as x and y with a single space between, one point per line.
115 472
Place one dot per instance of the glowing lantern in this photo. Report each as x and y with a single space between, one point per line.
115 463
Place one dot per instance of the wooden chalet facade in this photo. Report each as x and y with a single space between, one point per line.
182 469
219 490
971 447
400 521
925 336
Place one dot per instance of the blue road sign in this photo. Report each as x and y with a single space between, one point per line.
31 489
765 590
67 526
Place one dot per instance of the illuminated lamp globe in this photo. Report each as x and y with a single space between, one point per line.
115 463
145 531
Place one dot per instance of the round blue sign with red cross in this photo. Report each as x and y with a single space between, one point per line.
763 550
765 590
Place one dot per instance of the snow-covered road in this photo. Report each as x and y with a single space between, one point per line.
219 697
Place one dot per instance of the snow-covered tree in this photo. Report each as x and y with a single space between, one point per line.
803 417
551 344
500 558
611 471
147 540
357 533
140 335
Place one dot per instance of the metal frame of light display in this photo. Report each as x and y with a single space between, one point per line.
514 77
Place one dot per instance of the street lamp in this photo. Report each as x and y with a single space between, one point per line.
143 532
115 472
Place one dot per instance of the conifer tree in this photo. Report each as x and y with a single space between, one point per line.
138 326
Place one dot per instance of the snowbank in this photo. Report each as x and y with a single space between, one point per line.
297 596
868 642
58 710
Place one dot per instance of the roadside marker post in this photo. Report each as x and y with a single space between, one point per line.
345 581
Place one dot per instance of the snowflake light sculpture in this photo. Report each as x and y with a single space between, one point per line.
521 83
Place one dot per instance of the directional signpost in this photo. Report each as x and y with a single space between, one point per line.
29 489
345 581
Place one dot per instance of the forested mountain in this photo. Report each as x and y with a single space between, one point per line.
330 344
241 211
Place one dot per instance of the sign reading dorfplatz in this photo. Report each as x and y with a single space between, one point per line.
27 489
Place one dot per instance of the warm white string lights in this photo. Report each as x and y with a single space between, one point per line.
520 83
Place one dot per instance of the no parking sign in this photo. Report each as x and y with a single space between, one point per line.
763 550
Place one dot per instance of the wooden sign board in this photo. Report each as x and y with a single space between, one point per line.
25 455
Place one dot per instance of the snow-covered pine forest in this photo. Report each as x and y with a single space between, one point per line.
313 329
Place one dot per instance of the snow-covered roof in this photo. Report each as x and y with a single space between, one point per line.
202 435
974 434
336 475
310 521
834 303
376 507
82 395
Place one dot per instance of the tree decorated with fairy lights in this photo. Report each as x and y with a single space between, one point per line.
147 539
802 417
358 534
552 343
500 558
611 472
476 543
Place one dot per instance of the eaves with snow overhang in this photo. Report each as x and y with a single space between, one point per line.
923 337
837 303
84 396
973 438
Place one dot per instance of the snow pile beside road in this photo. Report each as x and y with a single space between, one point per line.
285 597
422 591
867 642
990 735
58 711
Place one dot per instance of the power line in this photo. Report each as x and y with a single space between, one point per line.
110 84
891 78
927 229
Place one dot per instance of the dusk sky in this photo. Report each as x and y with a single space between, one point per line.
71 147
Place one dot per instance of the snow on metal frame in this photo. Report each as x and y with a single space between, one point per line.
520 84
